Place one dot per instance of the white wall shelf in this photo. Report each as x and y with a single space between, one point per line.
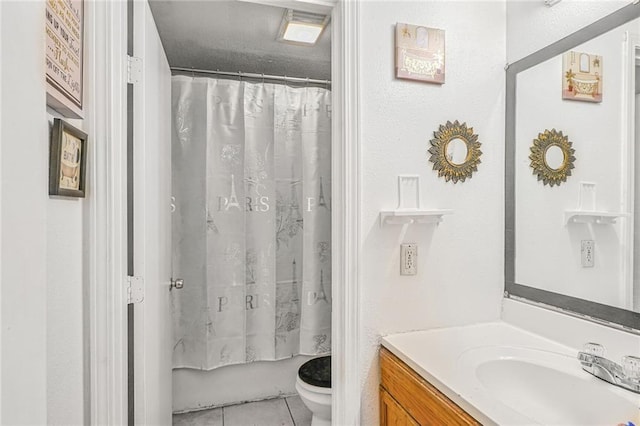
589 216
406 217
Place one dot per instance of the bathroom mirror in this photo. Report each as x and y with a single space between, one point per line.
562 252
552 157
455 151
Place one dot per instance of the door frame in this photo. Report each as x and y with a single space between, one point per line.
107 213
345 213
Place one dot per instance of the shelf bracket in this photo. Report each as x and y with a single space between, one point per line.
408 217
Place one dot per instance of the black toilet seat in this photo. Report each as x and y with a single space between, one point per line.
316 372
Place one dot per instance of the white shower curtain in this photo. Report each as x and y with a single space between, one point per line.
251 182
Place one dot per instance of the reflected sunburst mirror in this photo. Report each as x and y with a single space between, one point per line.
552 157
455 151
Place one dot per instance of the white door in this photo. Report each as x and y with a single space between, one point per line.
152 223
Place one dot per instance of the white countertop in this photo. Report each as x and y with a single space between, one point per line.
433 354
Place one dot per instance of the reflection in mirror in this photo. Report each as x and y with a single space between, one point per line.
541 236
554 157
457 151
549 168
544 259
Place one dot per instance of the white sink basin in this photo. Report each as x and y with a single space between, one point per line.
544 387
504 375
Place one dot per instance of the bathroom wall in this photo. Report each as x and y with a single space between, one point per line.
460 261
569 330
597 134
532 26
66 320
41 254
23 217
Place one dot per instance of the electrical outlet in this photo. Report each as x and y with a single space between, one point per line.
587 253
631 365
408 259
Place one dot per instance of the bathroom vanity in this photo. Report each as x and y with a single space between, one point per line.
493 374
408 399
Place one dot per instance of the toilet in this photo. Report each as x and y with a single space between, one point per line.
314 387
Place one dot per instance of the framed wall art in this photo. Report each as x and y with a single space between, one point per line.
552 157
455 151
582 77
419 53
64 55
67 160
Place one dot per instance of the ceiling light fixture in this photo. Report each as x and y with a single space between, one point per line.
302 28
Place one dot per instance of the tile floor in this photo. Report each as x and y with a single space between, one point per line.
289 411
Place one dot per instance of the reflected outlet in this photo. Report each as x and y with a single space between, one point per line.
408 259
587 253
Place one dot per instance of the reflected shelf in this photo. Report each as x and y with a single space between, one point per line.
592 216
407 217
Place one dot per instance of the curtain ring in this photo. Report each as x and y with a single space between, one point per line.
326 84
307 83
240 75
193 73
262 78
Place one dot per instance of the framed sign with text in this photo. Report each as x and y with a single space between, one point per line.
64 27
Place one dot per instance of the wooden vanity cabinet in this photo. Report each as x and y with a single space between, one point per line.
392 413
408 399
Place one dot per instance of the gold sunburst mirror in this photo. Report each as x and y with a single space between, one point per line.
552 157
455 151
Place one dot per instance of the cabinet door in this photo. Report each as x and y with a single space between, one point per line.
391 413
423 401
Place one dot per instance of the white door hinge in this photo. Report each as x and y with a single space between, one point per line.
135 289
134 70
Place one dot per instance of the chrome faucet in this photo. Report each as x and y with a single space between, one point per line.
626 376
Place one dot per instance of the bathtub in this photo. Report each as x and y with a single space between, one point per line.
585 87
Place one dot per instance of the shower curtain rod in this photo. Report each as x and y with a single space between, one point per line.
253 75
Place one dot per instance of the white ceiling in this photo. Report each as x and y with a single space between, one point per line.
231 35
